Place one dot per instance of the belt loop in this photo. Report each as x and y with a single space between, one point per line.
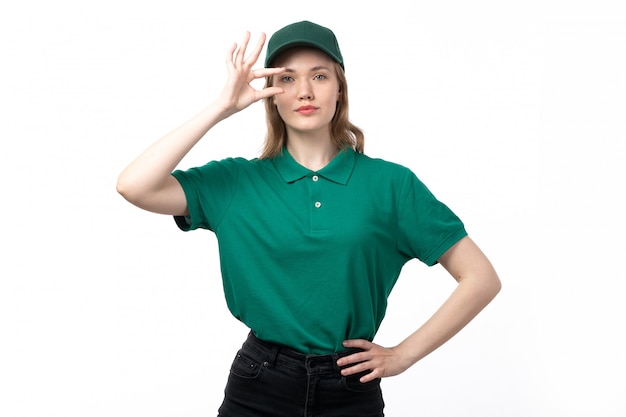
335 356
273 355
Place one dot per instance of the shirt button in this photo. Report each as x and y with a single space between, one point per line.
318 204
315 178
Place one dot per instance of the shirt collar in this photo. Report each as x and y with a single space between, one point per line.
338 170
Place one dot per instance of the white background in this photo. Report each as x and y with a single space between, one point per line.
513 113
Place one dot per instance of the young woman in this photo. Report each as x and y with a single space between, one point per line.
312 235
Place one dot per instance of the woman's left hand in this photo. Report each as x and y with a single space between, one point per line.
380 361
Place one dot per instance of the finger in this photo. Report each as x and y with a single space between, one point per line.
241 52
355 369
358 343
369 377
354 358
231 54
264 72
256 51
269 92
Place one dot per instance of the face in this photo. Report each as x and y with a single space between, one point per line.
311 91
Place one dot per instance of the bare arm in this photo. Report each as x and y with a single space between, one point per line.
478 284
147 181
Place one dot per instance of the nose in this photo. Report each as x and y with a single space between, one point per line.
305 92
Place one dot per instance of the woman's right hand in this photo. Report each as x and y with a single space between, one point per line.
238 93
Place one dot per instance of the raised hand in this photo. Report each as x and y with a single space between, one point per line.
238 93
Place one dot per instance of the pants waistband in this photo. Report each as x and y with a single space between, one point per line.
272 352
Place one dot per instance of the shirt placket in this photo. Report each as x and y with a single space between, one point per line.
316 203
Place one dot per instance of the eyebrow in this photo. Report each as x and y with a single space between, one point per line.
313 69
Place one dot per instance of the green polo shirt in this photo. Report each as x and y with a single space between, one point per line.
308 258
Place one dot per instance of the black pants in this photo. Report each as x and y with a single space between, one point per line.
268 380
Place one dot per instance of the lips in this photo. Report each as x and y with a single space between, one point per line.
306 109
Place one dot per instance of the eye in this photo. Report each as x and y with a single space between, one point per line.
319 77
286 78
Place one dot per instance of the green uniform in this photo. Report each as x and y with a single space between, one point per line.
308 258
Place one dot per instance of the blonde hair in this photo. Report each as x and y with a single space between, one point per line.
343 133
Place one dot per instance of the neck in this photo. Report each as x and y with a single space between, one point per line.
312 153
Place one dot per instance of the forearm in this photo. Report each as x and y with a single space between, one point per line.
472 294
153 167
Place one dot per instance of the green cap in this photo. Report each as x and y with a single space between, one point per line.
303 33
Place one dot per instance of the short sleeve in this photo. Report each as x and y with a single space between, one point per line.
426 227
208 190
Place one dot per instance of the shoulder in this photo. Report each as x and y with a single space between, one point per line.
228 164
399 179
381 167
237 161
225 170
